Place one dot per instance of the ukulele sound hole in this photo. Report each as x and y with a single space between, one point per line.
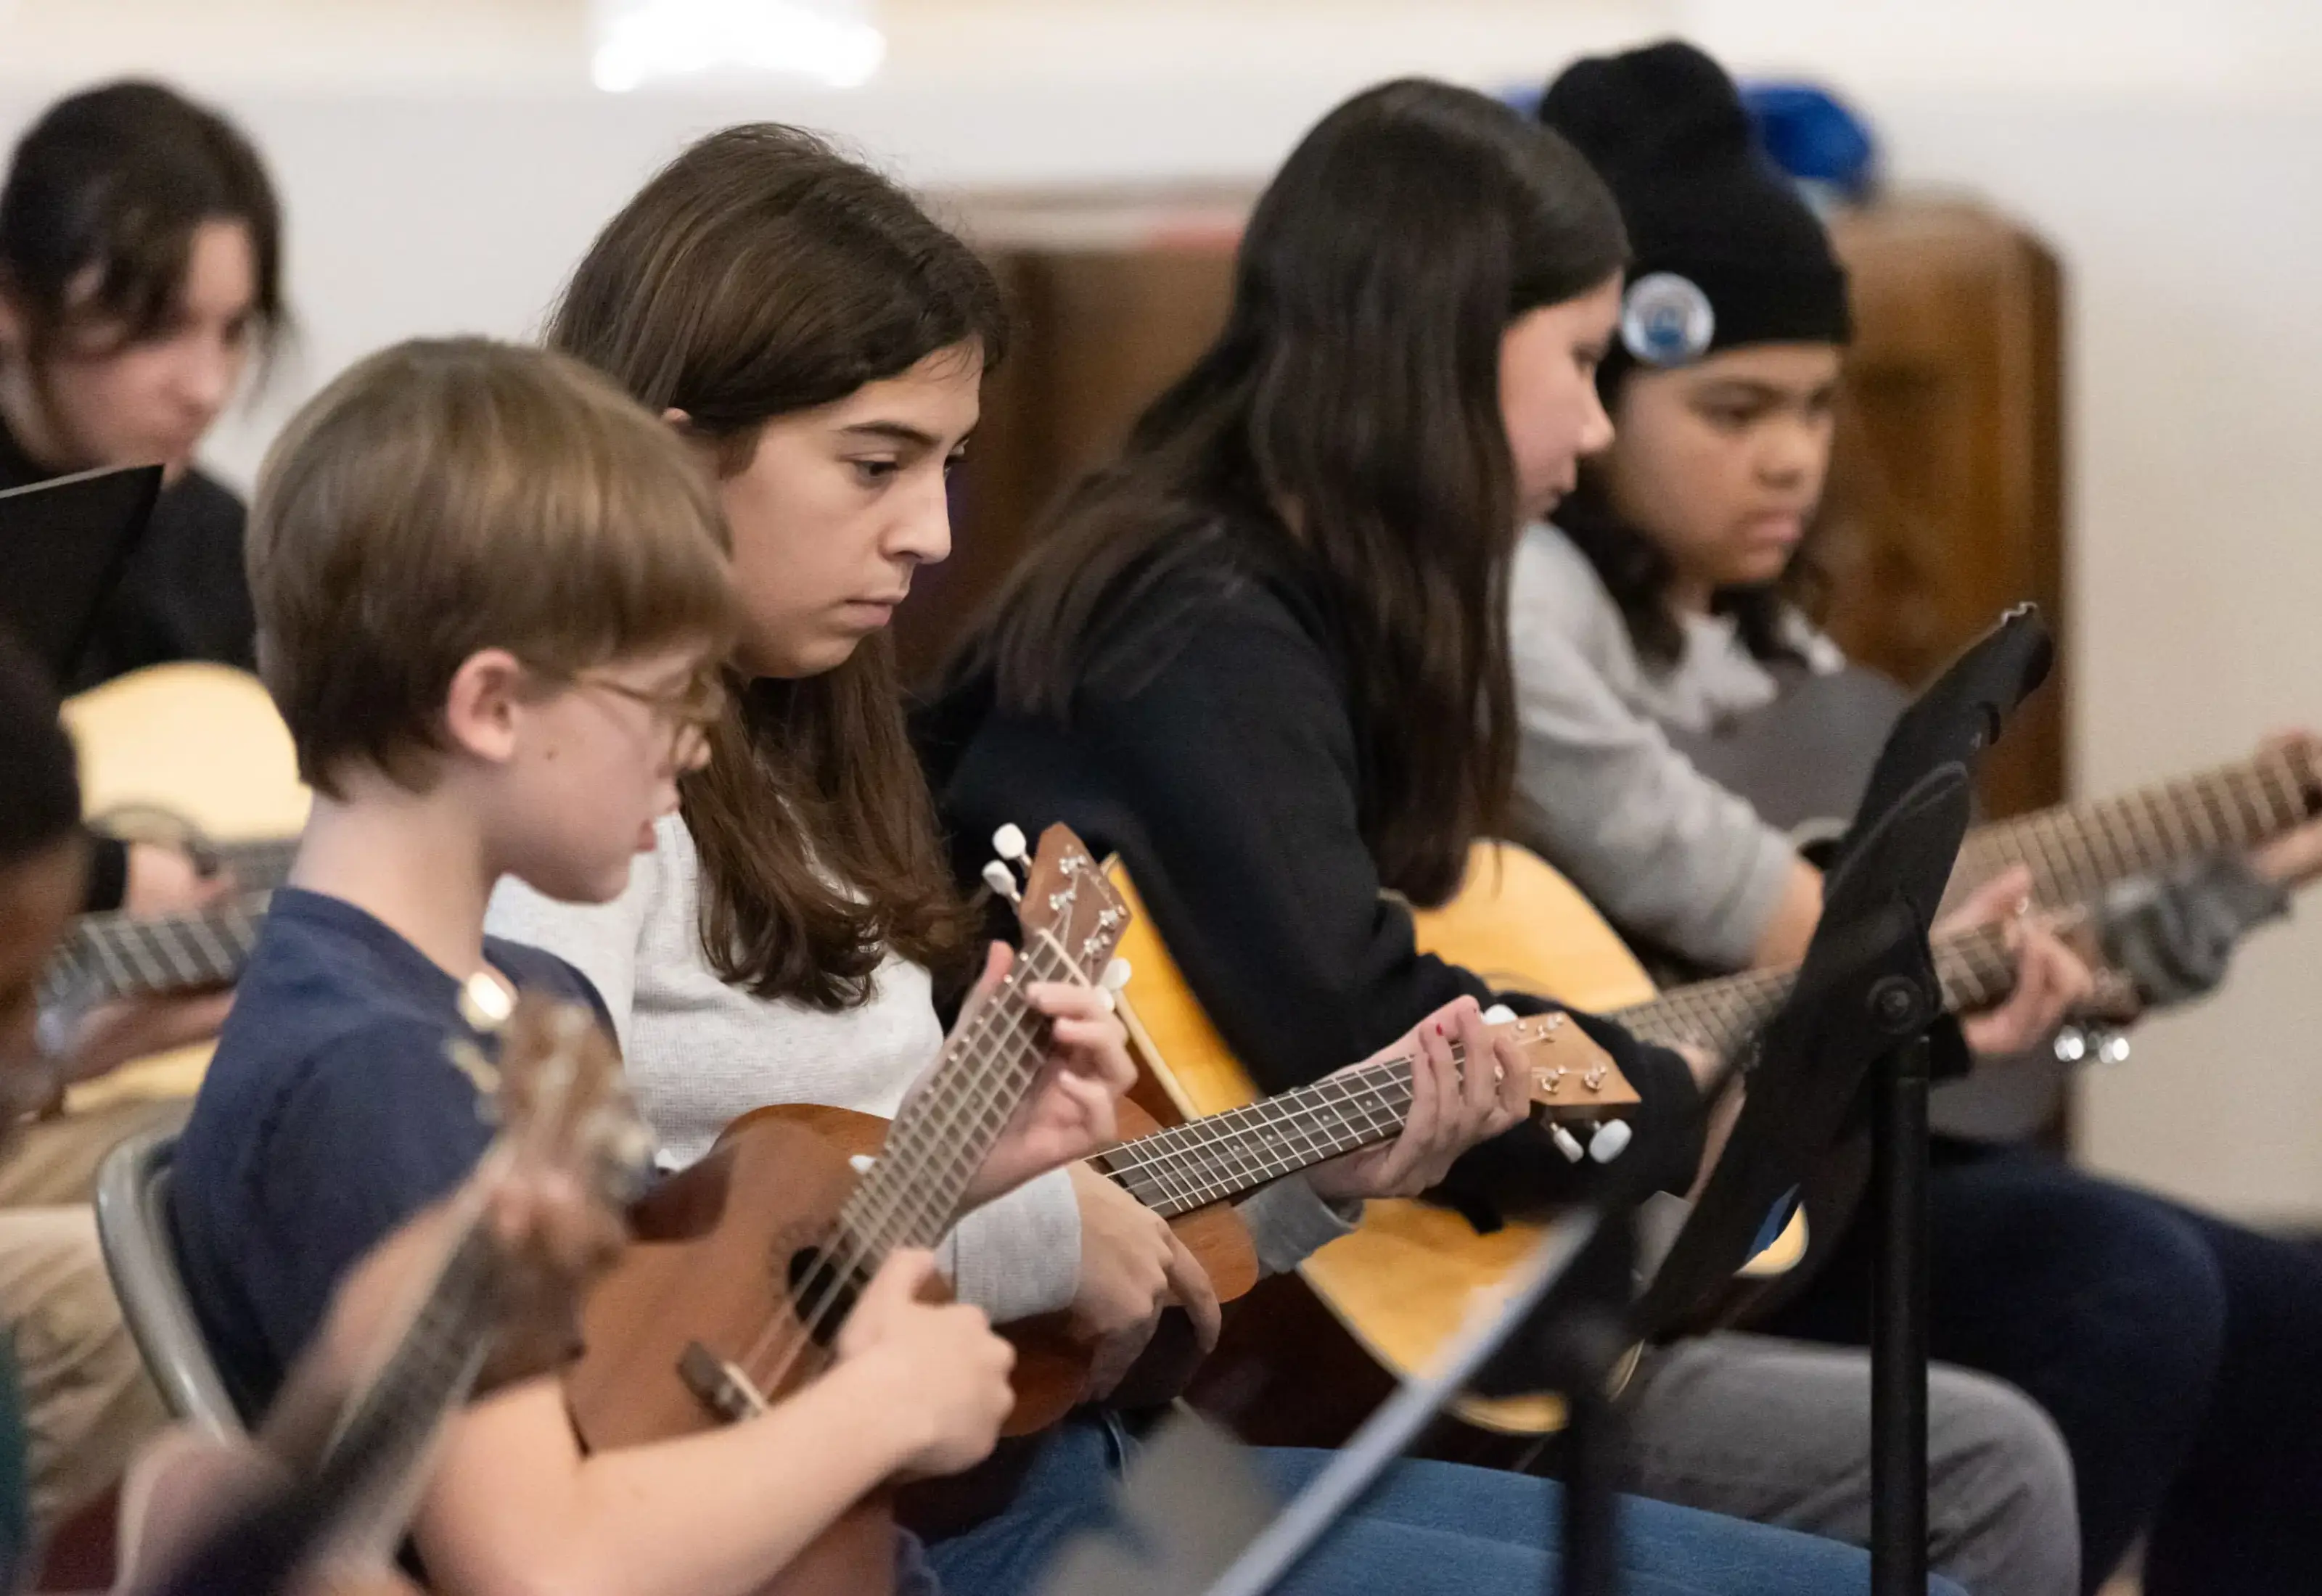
822 1292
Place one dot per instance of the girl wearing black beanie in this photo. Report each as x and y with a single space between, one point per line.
1673 599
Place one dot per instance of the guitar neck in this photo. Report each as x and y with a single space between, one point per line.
2075 851
354 1504
1976 968
1224 1157
258 865
121 955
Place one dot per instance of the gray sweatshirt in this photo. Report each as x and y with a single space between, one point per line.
699 1053
1669 854
1673 857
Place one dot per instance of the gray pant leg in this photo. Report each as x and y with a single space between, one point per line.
1778 1432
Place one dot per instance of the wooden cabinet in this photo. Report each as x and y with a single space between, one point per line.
1946 503
1946 498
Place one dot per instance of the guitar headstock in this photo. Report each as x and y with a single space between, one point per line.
1065 902
557 1096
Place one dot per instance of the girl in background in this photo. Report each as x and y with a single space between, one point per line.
1669 601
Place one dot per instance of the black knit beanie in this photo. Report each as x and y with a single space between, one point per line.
39 793
1726 252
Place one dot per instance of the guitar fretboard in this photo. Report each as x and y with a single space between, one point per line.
367 1471
1976 968
120 955
2076 851
258 865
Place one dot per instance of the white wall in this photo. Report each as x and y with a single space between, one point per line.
443 163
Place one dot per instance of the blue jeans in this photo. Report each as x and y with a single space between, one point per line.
2175 1352
1426 1529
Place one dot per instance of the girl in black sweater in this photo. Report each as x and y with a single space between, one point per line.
1264 658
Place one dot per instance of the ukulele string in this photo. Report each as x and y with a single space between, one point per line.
1006 1022
793 1333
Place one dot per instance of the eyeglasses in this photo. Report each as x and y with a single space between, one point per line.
696 704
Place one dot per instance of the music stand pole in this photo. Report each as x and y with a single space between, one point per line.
1899 1324
1579 1349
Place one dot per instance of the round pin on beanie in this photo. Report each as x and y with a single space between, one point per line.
1727 252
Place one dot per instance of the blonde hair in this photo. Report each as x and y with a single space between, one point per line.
445 496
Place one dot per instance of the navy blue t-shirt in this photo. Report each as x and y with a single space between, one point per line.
330 1115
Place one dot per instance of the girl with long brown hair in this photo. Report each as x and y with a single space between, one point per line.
822 341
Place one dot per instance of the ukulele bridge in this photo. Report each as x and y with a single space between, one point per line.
719 1385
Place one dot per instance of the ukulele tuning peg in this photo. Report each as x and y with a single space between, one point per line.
1003 881
1498 1014
1611 1140
2112 1048
1009 843
1114 977
1566 1143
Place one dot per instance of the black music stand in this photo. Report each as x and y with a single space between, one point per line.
1868 981
1791 1122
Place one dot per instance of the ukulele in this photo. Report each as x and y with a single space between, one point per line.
198 1510
745 1265
1191 1172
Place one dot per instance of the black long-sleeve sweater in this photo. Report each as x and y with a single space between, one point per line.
1213 746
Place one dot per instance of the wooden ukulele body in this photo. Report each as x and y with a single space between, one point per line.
710 1268
1052 1362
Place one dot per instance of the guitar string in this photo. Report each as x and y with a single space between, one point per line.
790 1335
1239 1149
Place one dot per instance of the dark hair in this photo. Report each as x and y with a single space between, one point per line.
118 178
1352 403
759 274
1637 572
40 790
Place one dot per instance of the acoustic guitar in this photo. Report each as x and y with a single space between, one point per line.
746 1264
201 1513
1380 1303
192 752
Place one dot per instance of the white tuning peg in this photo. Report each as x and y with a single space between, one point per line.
1566 1143
1116 975
1498 1014
2112 1048
1008 842
1611 1139
1002 880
